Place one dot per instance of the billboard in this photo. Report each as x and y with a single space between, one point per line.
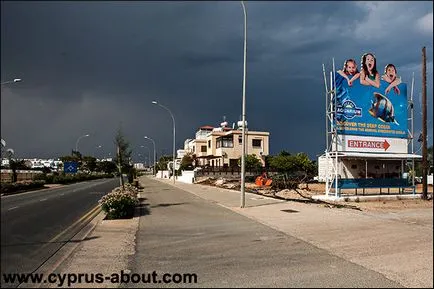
370 103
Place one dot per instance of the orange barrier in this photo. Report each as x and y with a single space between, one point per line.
263 181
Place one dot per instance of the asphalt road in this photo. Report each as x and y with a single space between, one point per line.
34 225
180 233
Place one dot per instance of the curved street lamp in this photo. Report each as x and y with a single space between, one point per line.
12 81
173 119
243 155
153 142
76 144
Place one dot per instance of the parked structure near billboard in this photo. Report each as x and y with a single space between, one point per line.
367 128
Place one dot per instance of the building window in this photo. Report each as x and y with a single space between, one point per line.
256 143
354 167
209 144
228 141
225 142
240 139
203 149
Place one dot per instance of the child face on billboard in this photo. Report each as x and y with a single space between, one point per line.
391 72
351 67
370 62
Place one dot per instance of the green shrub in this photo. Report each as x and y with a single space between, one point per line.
62 178
11 188
120 203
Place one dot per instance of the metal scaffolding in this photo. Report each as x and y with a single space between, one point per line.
331 151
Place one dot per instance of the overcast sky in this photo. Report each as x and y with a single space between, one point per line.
91 67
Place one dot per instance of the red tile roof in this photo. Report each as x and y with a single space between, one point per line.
206 127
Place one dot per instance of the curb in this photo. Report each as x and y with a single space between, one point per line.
67 250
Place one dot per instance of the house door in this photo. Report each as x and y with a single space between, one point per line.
233 163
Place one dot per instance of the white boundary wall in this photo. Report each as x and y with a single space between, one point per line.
162 174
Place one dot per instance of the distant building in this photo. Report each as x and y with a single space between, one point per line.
222 146
180 154
36 163
139 166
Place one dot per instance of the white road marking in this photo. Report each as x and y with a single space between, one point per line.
41 200
10 209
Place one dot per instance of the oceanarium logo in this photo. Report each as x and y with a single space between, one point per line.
349 110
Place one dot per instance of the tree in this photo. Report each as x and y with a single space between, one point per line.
252 163
283 162
15 165
76 154
73 158
187 162
299 163
89 163
107 167
60 166
305 165
123 157
294 169
267 160
162 163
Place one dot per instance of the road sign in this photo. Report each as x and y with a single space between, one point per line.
70 167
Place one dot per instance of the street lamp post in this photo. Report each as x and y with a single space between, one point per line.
173 119
149 154
3 144
12 81
76 144
140 156
101 154
153 142
243 156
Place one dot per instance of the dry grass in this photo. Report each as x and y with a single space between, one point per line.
305 193
395 205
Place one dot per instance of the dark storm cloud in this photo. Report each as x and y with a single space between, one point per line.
89 66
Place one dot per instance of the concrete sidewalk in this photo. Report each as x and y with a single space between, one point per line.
398 244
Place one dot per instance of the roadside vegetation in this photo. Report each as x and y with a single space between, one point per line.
120 203
88 168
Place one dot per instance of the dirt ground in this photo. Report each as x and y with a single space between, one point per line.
305 194
387 205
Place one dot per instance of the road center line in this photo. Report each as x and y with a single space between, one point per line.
10 209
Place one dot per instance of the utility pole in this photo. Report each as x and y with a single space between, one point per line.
424 130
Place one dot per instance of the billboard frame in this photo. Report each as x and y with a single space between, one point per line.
331 151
